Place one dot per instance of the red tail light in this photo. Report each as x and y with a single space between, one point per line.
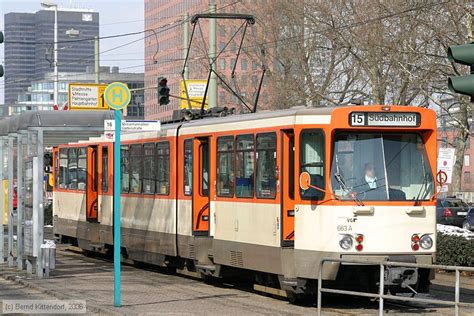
447 212
359 247
415 247
415 238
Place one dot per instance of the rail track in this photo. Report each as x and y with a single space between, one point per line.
441 290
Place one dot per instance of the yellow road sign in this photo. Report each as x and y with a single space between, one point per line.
196 90
87 96
117 95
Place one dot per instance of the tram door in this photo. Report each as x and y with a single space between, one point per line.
201 174
288 188
92 204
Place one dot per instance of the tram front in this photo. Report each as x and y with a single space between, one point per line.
382 177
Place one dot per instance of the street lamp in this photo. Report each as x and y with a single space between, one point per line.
48 4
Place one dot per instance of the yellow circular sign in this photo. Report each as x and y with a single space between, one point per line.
117 95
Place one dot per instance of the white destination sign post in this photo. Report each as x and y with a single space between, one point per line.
133 126
446 162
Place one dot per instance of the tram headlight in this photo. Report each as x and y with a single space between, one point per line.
426 242
345 242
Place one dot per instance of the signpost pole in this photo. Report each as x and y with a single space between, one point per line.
117 97
117 232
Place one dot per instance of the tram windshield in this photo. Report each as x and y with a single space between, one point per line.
381 167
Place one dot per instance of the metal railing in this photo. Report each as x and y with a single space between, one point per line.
381 296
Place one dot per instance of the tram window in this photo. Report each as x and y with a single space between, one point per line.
124 166
149 168
105 169
163 168
72 167
81 170
136 153
244 166
312 161
225 166
204 185
266 165
63 170
188 167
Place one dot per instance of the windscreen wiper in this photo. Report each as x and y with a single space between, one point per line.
424 186
342 183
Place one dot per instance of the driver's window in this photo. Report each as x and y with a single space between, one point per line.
312 161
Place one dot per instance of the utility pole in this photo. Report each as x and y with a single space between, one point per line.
212 55
97 64
186 43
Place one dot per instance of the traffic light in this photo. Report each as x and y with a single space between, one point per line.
48 162
163 91
1 41
462 54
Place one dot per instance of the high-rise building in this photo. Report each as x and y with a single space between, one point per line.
29 39
164 52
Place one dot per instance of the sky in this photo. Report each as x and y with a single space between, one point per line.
115 17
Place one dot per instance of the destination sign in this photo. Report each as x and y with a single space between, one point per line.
384 119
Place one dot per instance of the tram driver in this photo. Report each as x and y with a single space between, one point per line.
373 188
370 186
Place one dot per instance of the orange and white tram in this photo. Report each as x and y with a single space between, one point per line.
222 195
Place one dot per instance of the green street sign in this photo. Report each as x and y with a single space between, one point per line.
117 95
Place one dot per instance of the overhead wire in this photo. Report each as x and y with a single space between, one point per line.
286 40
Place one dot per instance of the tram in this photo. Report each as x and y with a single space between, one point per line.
269 193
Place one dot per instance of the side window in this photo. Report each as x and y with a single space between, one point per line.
81 170
124 167
163 168
266 165
136 153
244 166
312 161
63 169
225 166
105 169
72 166
188 167
149 168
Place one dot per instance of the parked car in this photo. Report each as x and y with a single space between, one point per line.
469 220
451 211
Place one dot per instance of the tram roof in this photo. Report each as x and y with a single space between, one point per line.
267 114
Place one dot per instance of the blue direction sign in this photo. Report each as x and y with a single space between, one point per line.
117 95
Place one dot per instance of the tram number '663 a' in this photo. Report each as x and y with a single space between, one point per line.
344 228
